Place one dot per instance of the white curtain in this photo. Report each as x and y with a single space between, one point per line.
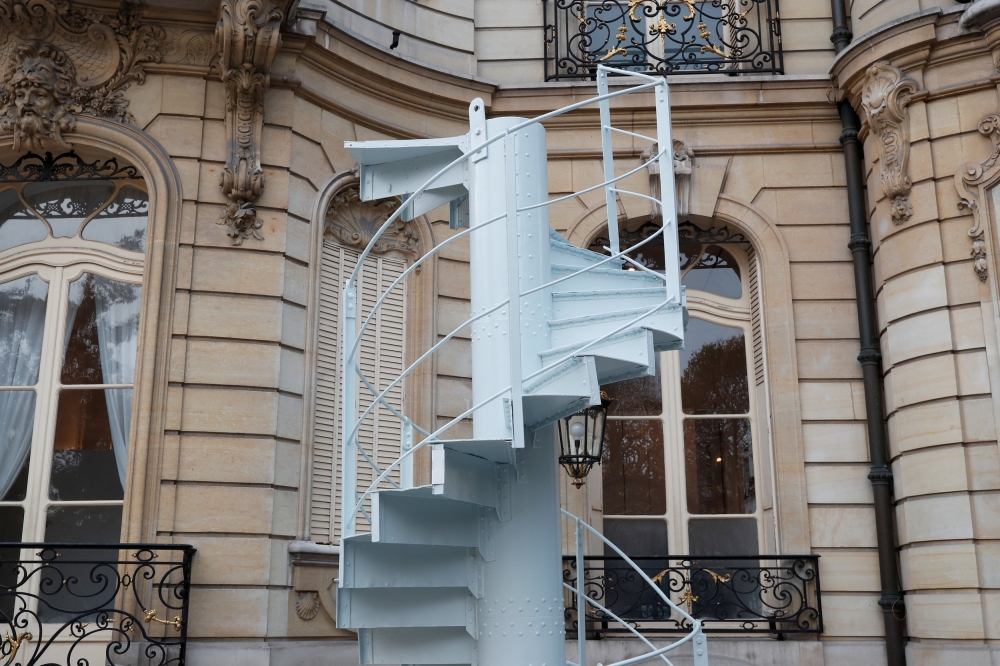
117 305
22 320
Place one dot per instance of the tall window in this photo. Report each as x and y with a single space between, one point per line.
685 448
350 223
72 244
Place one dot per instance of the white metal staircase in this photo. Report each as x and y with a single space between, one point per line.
467 570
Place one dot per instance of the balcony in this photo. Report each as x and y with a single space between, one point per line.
672 37
731 594
74 604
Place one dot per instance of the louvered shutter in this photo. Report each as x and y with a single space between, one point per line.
380 358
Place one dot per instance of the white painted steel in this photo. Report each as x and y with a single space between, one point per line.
495 497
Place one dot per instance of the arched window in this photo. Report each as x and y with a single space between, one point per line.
72 248
686 465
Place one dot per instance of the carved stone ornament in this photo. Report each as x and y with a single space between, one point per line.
247 36
884 99
683 159
307 605
63 62
353 222
968 180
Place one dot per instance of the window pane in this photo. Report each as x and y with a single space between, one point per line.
22 321
11 524
637 537
87 464
66 204
123 222
718 457
642 396
632 469
714 370
722 536
17 416
18 225
69 589
712 269
102 331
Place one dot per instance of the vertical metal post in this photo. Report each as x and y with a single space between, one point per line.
609 158
699 646
405 444
349 491
514 291
581 598
668 193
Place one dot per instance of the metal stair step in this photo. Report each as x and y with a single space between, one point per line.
564 252
368 564
667 326
417 517
398 607
561 391
450 646
574 304
602 278
470 478
623 356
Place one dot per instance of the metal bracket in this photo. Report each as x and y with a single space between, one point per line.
486 519
477 129
437 468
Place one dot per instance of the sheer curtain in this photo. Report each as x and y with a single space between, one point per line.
117 306
22 320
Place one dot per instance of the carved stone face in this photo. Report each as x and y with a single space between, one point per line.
37 89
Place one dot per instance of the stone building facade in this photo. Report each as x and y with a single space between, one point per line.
232 117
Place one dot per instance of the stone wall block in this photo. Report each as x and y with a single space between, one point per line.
963 285
296 283
817 281
915 292
146 101
275 194
799 170
939 566
233 363
942 117
209 178
920 335
929 471
828 359
286 464
189 221
923 380
292 373
817 243
453 396
227 509
852 615
921 166
190 172
226 459
842 526
817 205
838 484
984 466
928 424
293 325
835 442
988 559
297 237
234 316
185 95
286 511
229 613
301 197
973 373
213 146
913 246
825 319
849 570
954 616
215 100
309 160
934 518
453 279
230 411
217 555
827 401
238 271
986 514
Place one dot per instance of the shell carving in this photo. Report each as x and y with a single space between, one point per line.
307 605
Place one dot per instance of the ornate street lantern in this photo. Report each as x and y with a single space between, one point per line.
581 440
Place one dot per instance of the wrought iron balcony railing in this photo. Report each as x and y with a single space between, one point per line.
72 604
661 37
732 594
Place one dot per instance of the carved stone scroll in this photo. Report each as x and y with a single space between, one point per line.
353 222
247 36
63 62
884 99
968 180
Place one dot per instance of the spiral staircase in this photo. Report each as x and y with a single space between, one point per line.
467 570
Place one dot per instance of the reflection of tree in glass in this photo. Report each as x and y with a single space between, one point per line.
633 472
82 363
718 456
640 396
715 379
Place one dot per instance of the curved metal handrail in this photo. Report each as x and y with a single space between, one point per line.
379 396
696 628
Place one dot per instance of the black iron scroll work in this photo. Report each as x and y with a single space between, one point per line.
58 604
739 595
31 167
661 37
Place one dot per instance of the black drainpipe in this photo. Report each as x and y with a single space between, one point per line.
891 601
